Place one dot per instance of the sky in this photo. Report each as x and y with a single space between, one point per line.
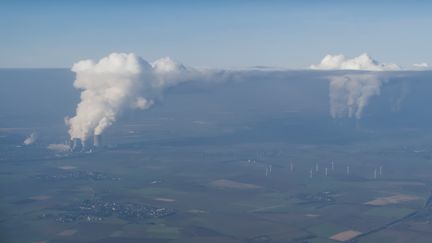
215 34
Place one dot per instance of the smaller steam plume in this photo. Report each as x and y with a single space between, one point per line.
30 139
350 93
403 94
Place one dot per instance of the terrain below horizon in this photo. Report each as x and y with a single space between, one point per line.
255 159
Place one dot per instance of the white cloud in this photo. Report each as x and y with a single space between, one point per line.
422 66
362 62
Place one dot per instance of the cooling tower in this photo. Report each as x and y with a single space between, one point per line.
97 141
76 145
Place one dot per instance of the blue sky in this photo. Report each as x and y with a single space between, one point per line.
291 34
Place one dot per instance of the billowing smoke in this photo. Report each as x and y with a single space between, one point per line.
30 139
350 93
114 83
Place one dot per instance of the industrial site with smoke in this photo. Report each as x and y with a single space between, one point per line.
114 83
122 81
242 121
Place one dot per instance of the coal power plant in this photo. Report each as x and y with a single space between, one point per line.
89 145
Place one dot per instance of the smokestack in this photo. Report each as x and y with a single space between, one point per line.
97 141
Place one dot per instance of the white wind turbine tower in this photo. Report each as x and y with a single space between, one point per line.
326 171
380 171
332 165
347 170
311 173
375 173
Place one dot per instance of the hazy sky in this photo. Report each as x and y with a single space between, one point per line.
290 34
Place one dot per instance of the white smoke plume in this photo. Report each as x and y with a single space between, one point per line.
397 103
59 147
30 139
350 93
114 83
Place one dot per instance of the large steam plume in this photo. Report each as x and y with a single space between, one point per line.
350 93
114 83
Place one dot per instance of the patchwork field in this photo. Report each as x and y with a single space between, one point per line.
205 192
